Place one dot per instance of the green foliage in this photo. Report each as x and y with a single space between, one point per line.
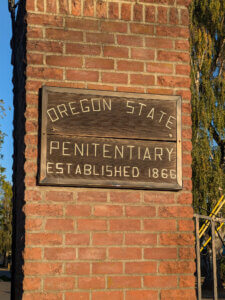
5 216
207 43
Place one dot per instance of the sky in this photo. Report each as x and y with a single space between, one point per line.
6 124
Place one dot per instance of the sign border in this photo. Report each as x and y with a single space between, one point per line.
42 178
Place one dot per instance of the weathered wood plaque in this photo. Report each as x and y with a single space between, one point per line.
110 139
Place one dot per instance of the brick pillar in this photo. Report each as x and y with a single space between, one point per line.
99 244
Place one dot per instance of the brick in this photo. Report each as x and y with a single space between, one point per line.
173 16
125 253
172 81
173 31
186 225
160 91
101 9
76 7
176 239
160 253
139 79
78 268
138 12
42 296
91 282
42 268
34 32
126 224
91 224
149 14
140 211
162 15
145 54
99 63
107 239
141 295
40 5
130 89
30 284
77 239
66 35
51 7
187 185
43 239
77 295
175 211
118 282
107 295
92 196
33 224
141 28
173 56
125 197
59 283
64 61
82 75
114 77
82 24
120 52
30 5
185 198
44 209
130 40
59 196
186 159
187 281
159 225
182 45
35 59
187 133
176 267
44 20
140 239
187 172
178 294
91 253
31 113
107 268
48 73
32 85
150 197
125 11
140 267
102 38
78 210
32 253
89 8
159 43
160 281
102 87
184 2
184 17
113 10
127 65
81 49
187 146
63 6
31 195
159 68
111 26
183 69
108 211
186 108
59 225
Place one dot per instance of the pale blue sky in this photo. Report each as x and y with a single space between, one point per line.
6 87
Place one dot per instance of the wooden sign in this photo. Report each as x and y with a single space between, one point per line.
110 139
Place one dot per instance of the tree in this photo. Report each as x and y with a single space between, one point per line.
207 42
5 217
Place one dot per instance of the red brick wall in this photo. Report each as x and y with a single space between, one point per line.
94 244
